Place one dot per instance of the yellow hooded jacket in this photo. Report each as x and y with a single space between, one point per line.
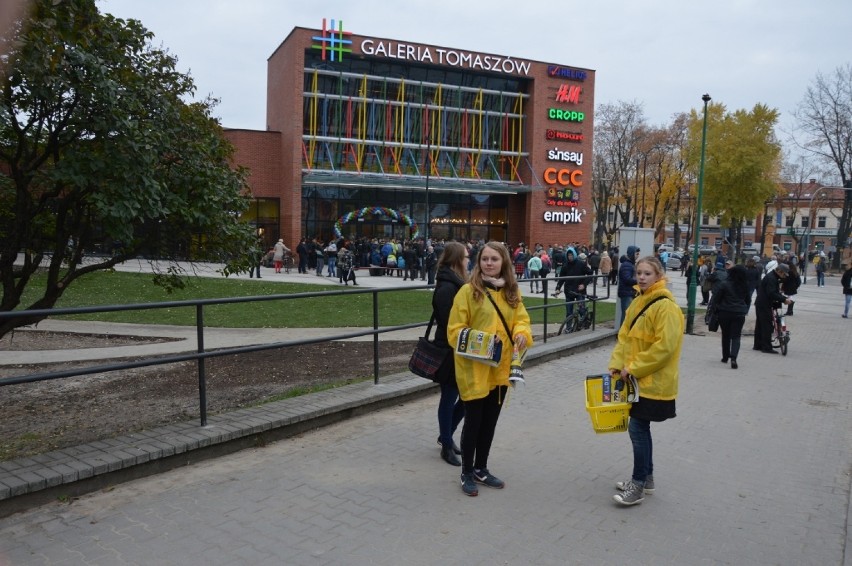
651 349
476 379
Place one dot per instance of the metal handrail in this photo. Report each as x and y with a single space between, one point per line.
202 354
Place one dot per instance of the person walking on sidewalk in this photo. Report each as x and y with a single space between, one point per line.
846 282
627 280
731 299
452 273
648 347
768 293
491 301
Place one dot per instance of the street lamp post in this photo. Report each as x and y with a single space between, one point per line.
807 234
693 279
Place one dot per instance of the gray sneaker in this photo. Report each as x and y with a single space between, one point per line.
632 494
649 485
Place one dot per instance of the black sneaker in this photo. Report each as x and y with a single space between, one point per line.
484 477
468 486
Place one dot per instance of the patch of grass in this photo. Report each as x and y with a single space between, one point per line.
10 448
299 391
339 310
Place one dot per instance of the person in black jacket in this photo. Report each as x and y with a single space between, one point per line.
731 299
790 286
753 273
768 293
452 272
576 269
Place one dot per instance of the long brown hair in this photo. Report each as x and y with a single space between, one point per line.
454 258
507 273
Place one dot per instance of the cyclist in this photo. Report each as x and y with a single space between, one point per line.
768 293
573 267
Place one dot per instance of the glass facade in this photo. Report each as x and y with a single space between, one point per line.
457 216
380 133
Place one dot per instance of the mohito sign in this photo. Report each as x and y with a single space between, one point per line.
559 135
563 177
451 57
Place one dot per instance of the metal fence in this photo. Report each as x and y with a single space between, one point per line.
201 355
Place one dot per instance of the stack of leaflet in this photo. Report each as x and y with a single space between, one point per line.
479 346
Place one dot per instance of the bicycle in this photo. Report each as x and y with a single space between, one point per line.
780 334
581 318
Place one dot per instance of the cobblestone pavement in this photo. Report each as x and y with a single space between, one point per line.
754 470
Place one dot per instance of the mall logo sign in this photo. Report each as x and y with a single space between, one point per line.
333 44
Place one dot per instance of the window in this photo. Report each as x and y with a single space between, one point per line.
788 221
749 222
705 219
805 221
821 221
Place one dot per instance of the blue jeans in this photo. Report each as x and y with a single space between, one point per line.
450 412
625 302
332 263
820 279
848 302
643 449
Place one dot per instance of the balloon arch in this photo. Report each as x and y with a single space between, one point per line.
375 211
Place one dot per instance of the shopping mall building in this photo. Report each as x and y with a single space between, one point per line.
383 138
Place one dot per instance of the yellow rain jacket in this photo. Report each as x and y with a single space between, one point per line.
476 379
651 349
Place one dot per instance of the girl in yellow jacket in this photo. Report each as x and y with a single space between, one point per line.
482 387
649 344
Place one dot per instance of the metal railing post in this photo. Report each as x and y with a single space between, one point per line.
202 376
375 338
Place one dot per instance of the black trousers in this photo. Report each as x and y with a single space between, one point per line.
731 326
480 421
763 327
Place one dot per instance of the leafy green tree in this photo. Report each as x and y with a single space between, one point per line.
99 146
742 161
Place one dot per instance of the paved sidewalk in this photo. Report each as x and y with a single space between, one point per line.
755 470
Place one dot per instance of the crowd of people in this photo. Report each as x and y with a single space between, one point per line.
477 287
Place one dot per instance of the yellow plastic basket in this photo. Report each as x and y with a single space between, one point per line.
607 416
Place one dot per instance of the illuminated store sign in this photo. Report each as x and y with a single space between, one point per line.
565 115
559 135
453 58
569 94
563 177
562 197
557 154
565 73
574 216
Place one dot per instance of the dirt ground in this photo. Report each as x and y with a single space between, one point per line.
48 415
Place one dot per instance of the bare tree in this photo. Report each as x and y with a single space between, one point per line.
824 128
618 130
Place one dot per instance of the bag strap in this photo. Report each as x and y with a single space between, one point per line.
500 314
429 328
646 308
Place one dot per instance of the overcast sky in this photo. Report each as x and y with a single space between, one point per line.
662 53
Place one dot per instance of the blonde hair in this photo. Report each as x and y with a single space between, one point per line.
507 273
656 265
